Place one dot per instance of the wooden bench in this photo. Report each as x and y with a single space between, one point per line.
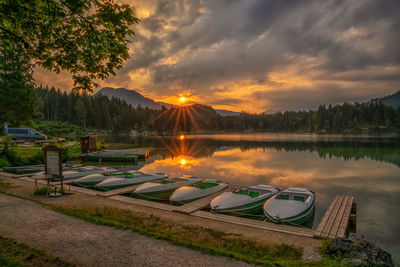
336 218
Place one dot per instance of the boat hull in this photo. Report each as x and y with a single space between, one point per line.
87 184
157 196
305 218
187 194
112 187
248 210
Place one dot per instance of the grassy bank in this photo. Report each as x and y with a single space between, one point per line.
15 254
65 129
12 154
203 239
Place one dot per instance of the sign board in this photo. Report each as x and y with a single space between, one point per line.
53 161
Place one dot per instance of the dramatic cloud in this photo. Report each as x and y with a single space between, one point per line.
260 55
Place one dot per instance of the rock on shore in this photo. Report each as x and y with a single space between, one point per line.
360 252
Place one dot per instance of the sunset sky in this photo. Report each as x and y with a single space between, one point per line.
259 55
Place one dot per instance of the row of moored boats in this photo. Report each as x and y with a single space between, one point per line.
293 206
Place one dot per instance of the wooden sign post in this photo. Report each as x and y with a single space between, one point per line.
53 163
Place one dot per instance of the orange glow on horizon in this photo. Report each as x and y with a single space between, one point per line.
182 99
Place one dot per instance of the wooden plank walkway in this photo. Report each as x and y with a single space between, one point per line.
256 224
201 203
12 175
118 191
336 218
146 203
83 190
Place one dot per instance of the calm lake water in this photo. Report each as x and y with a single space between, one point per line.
366 168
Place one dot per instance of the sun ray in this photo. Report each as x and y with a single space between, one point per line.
162 114
171 115
184 118
196 126
198 115
177 121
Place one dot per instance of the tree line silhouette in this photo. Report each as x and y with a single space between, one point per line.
116 115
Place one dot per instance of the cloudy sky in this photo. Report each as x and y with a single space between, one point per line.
260 55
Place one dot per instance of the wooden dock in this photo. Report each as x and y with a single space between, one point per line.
83 190
336 218
118 191
307 232
146 203
334 223
201 203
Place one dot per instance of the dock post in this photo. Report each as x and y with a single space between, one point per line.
353 218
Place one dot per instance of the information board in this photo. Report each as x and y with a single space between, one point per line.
52 161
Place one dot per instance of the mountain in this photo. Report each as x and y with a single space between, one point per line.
224 112
131 97
135 99
392 100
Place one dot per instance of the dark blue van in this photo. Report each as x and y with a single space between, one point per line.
24 134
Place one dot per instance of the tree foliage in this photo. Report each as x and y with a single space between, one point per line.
17 94
88 38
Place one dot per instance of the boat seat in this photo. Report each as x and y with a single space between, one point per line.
205 185
243 192
253 194
298 198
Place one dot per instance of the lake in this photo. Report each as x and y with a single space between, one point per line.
366 168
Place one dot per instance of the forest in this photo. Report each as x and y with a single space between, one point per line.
115 115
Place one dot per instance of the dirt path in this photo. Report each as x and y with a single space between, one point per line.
88 244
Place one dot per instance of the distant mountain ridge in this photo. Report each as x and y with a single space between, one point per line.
131 97
135 99
392 100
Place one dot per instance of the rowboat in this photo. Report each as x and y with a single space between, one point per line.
84 171
129 180
243 202
90 180
293 206
162 190
186 194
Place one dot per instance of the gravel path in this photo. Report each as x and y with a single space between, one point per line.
88 244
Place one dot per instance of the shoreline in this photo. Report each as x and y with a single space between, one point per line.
95 204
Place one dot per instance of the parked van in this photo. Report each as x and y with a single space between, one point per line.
24 134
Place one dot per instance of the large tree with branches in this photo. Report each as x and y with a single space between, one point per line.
88 38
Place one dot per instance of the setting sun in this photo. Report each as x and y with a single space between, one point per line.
181 137
182 99
183 161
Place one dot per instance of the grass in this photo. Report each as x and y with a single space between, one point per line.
13 253
41 191
203 239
